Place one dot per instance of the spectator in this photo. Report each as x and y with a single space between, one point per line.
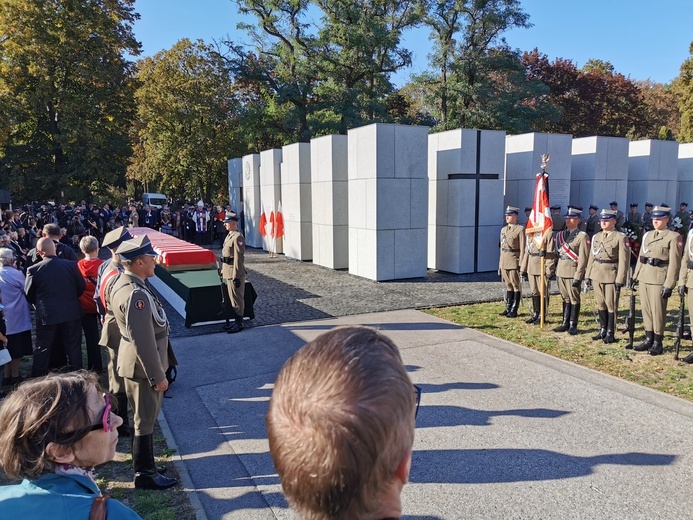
53 287
63 251
341 426
89 269
151 217
53 431
17 316
134 217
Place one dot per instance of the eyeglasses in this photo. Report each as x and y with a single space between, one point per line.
417 391
104 425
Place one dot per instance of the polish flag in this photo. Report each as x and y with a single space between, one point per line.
540 218
279 222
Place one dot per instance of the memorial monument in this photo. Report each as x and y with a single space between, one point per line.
252 208
653 172
296 201
599 172
388 201
270 195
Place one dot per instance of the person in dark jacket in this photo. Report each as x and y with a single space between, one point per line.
53 287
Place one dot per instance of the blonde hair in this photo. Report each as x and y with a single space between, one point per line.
340 422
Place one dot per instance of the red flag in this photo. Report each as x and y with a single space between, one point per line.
270 225
279 224
263 223
540 218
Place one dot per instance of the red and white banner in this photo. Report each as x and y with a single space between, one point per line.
540 218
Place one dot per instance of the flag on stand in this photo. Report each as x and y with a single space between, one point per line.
540 221
263 222
279 222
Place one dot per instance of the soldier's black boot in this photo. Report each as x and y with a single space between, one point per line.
688 359
566 318
122 404
574 317
647 344
517 296
509 297
237 326
610 327
603 317
536 300
657 349
146 474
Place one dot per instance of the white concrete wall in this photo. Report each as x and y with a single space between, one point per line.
653 172
600 172
270 192
296 201
235 172
388 200
523 161
452 202
329 194
252 207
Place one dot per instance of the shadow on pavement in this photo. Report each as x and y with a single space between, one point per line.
435 416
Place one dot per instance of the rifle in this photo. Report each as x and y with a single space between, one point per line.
225 303
680 324
630 320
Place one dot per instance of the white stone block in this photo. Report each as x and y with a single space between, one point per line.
393 203
599 171
652 172
252 204
270 192
685 173
235 177
411 253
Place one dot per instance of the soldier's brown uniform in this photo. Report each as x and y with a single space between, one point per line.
592 225
110 333
647 221
634 218
143 351
620 220
531 264
233 268
512 247
686 280
572 248
657 268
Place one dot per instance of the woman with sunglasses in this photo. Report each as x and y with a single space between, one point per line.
53 432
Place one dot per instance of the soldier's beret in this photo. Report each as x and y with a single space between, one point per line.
135 247
231 217
114 238
594 207
661 212
606 214
512 210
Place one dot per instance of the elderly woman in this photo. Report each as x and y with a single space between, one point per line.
53 431
89 268
17 316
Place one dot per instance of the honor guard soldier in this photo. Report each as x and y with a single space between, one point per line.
233 269
530 268
109 271
684 215
620 219
656 273
143 355
647 217
512 246
608 268
592 224
572 248
557 218
528 212
686 281
634 217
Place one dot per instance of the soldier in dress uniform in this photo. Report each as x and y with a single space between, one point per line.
572 248
608 268
656 273
530 268
528 212
558 220
620 219
592 224
634 217
512 246
684 215
233 269
143 354
647 217
110 333
686 282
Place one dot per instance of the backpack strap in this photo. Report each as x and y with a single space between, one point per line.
98 508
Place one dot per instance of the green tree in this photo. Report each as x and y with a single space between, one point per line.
66 95
661 109
186 122
685 88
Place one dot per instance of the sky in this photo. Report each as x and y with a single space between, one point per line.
642 39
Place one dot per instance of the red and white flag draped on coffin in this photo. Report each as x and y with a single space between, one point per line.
540 221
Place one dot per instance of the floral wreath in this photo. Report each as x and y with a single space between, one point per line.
634 234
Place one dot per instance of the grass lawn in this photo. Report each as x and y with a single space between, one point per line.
658 372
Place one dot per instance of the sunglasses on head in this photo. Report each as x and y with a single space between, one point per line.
104 424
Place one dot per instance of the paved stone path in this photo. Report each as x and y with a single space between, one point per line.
290 290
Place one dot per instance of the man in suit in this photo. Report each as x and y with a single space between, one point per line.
63 251
53 287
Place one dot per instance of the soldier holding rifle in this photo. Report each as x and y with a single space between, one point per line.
656 272
608 268
572 247
685 283
512 244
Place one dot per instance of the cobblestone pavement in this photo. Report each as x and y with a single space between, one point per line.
290 290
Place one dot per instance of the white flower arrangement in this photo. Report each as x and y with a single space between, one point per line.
676 223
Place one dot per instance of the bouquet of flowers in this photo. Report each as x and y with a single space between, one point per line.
678 226
634 235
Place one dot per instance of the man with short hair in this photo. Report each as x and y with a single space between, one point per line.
53 286
620 219
647 217
62 251
340 426
656 273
